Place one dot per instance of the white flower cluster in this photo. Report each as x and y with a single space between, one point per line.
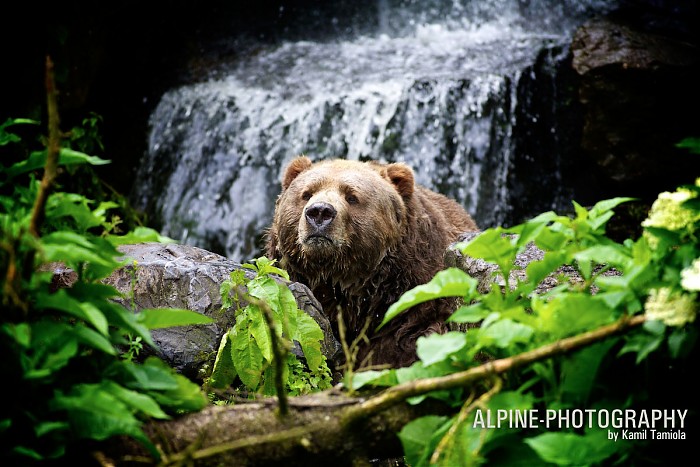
674 307
671 307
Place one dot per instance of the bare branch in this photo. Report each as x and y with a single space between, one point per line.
53 149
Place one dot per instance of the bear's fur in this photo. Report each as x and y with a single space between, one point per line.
360 234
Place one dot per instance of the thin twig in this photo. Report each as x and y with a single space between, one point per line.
467 407
52 151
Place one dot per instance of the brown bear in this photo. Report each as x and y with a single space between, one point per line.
360 234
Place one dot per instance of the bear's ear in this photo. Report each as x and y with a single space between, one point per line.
401 176
295 167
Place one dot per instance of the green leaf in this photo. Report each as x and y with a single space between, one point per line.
96 414
692 144
537 271
309 335
93 339
158 318
492 246
246 355
87 311
139 235
451 282
374 378
37 160
603 207
224 371
469 314
551 240
137 401
416 435
437 347
260 331
578 371
170 389
127 321
505 332
573 449
615 255
569 314
644 341
55 345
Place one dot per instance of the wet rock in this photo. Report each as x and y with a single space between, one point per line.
636 87
488 273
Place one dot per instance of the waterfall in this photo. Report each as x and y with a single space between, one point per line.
436 84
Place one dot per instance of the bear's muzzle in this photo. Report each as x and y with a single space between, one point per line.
319 217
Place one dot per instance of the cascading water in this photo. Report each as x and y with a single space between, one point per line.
435 84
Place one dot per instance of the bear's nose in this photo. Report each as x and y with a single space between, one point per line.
319 215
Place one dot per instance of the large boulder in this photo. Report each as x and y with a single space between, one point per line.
638 86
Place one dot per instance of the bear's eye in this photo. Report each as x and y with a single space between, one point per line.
351 199
306 195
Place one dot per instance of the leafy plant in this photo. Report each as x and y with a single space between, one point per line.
656 277
247 350
61 347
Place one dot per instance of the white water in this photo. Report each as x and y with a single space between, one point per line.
437 92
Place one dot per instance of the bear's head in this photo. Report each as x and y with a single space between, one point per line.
335 216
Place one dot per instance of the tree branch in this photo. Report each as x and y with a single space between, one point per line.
401 392
53 149
329 425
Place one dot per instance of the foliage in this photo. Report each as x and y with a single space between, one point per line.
246 350
62 349
657 275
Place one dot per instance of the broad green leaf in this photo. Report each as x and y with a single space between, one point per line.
551 240
573 449
530 230
469 314
174 391
74 206
157 318
374 378
55 345
581 212
579 370
265 288
437 347
137 401
309 336
615 255
119 316
537 271
224 371
87 311
505 332
260 331
96 414
139 235
644 341
290 312
568 314
93 339
37 160
246 355
451 282
419 371
416 438
605 206
492 246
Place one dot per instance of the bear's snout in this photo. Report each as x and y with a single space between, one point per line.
320 215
